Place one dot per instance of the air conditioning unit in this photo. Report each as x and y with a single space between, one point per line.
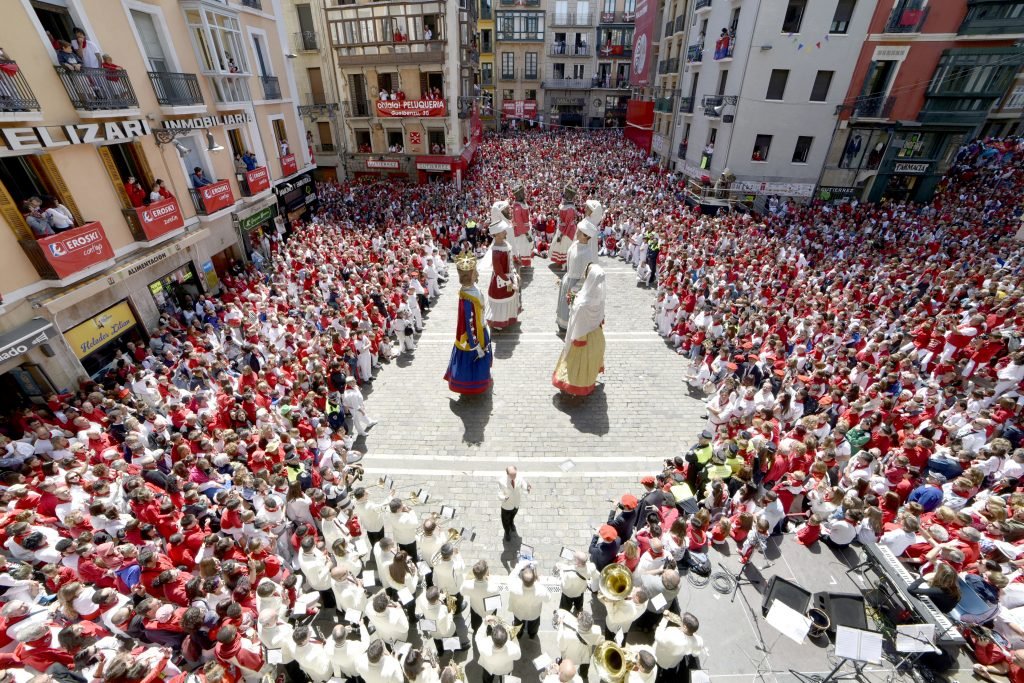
728 118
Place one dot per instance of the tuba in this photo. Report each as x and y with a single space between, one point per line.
613 662
616 582
513 631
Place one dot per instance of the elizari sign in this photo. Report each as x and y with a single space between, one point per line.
51 137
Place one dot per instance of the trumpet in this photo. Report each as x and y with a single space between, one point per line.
613 662
455 538
513 631
451 602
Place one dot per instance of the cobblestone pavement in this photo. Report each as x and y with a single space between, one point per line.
578 454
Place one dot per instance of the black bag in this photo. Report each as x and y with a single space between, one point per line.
698 563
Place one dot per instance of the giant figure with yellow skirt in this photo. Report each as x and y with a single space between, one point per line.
469 370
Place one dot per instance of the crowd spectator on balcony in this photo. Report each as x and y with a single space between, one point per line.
398 37
722 44
428 34
136 194
400 95
198 178
57 215
285 149
250 161
34 217
757 155
67 57
87 50
159 192
240 168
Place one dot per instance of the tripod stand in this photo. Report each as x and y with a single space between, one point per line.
833 675
737 578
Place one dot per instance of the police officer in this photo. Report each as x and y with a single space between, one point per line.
697 459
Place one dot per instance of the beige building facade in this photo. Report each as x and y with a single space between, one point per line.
96 93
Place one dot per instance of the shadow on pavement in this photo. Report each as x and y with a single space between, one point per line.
588 414
475 413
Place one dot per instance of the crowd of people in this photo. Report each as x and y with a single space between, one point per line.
198 513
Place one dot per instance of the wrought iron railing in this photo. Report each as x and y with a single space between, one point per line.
686 105
254 4
694 53
571 50
15 93
663 105
176 89
906 20
567 83
701 4
617 17
306 41
873 106
271 87
97 89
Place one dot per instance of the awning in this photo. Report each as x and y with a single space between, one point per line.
23 338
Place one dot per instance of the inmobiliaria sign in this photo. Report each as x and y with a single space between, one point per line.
160 218
411 108
75 250
258 179
216 196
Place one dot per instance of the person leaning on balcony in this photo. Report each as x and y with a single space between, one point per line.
136 195
198 179
240 168
67 58
57 215
35 219
87 50
159 192
249 159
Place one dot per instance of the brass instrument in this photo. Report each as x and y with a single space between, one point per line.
450 601
460 671
454 537
513 631
616 582
673 618
613 662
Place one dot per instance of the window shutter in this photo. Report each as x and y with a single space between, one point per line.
115 176
53 176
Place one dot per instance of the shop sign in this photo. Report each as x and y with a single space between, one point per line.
211 275
75 250
520 109
216 196
23 339
417 108
101 329
208 121
289 165
782 189
391 164
160 218
434 168
258 179
911 168
837 191
25 139
257 219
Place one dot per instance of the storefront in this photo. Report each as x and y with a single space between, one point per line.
255 227
171 292
25 382
436 168
97 340
296 199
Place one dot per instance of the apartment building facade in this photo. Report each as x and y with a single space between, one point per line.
760 84
155 90
406 73
927 78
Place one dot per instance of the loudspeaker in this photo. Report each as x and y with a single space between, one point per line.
843 609
791 594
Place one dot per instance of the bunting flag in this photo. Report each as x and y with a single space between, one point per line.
818 44
799 47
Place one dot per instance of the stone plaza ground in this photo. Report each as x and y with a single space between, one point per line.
580 455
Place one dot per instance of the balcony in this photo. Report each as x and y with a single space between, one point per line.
411 52
176 90
520 3
212 198
305 41
98 89
680 24
486 47
702 6
231 91
668 66
71 252
567 83
563 50
617 17
694 54
616 51
15 94
610 83
686 105
663 105
714 104
904 20
271 87
985 17
507 75
530 75
253 4
148 223
319 109
562 19
725 53
253 182
681 150
872 107
289 165
358 109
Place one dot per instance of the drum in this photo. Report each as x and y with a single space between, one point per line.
819 623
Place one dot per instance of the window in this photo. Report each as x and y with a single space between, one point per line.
762 145
36 178
609 6
531 65
822 81
508 94
841 19
520 26
487 72
152 43
435 138
794 16
578 70
508 65
723 78
558 70
236 140
530 94
281 136
395 142
485 41
217 40
802 149
1016 99
364 143
261 61
777 84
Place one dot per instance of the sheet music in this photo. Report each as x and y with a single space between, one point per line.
541 663
369 578
492 603
658 602
789 622
916 638
447 512
567 554
860 646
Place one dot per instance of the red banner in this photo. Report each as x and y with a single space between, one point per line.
640 124
258 179
411 108
160 218
75 250
520 109
289 165
643 42
216 196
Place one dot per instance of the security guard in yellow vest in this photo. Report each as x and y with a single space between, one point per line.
697 458
718 468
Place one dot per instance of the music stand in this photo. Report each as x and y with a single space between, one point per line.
852 645
738 578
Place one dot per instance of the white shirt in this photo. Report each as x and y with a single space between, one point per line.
403 526
448 574
387 670
511 495
574 580
526 603
347 655
622 614
671 644
316 660
476 591
391 625
371 515
579 647
496 661
444 624
316 568
897 541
